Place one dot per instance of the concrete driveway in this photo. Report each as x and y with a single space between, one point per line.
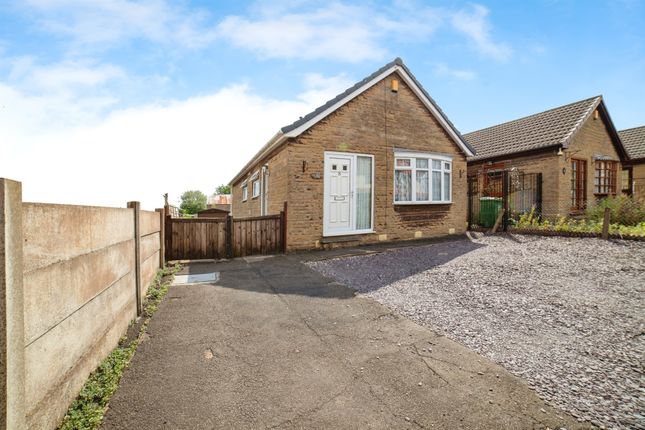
274 344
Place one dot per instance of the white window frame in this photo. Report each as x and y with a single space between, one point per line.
245 191
412 156
351 231
253 179
255 187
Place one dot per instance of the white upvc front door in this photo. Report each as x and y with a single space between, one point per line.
340 197
339 204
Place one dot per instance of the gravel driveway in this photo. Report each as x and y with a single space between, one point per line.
565 314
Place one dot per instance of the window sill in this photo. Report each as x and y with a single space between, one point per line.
254 197
421 203
347 233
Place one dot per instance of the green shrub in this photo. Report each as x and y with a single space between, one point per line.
624 210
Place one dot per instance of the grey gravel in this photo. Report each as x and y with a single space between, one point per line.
565 314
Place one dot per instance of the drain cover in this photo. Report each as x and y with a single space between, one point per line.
200 278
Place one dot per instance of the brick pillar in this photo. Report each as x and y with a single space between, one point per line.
12 329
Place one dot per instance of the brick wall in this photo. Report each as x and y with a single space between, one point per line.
375 123
544 162
277 186
638 172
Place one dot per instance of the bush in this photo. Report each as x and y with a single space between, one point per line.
624 210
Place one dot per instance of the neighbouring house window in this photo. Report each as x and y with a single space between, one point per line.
256 188
605 177
578 184
245 192
422 178
363 193
626 181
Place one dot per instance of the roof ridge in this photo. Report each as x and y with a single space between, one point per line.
534 114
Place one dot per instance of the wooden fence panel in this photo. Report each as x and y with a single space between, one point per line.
208 238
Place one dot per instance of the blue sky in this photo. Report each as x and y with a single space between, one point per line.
97 96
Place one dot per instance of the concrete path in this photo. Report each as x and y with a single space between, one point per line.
275 345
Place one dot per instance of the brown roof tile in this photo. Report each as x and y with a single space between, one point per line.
634 141
541 130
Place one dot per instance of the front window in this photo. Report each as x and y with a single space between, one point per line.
605 177
422 178
256 188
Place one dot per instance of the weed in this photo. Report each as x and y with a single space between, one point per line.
88 410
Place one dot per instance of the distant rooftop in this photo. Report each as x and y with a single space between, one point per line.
541 130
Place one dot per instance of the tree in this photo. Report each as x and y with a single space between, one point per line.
223 189
193 202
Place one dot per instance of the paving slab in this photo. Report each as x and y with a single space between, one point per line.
273 344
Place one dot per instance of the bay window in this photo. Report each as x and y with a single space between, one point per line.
422 178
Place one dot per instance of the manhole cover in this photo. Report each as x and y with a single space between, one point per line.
200 278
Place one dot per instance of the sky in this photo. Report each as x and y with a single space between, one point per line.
108 101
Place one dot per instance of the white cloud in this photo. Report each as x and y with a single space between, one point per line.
320 88
100 23
463 75
474 24
334 31
67 76
142 152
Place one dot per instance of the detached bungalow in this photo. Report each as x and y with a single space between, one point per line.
380 161
576 148
634 141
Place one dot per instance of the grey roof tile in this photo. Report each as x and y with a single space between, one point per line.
541 130
634 141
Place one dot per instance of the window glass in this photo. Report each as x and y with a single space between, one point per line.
423 185
436 164
403 185
446 186
436 186
363 193
422 163
256 188
403 162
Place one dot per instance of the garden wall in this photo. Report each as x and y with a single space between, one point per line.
78 275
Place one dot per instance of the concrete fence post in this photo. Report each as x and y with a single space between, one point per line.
162 236
137 254
12 328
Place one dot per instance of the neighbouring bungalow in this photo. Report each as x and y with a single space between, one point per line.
379 162
634 141
576 148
